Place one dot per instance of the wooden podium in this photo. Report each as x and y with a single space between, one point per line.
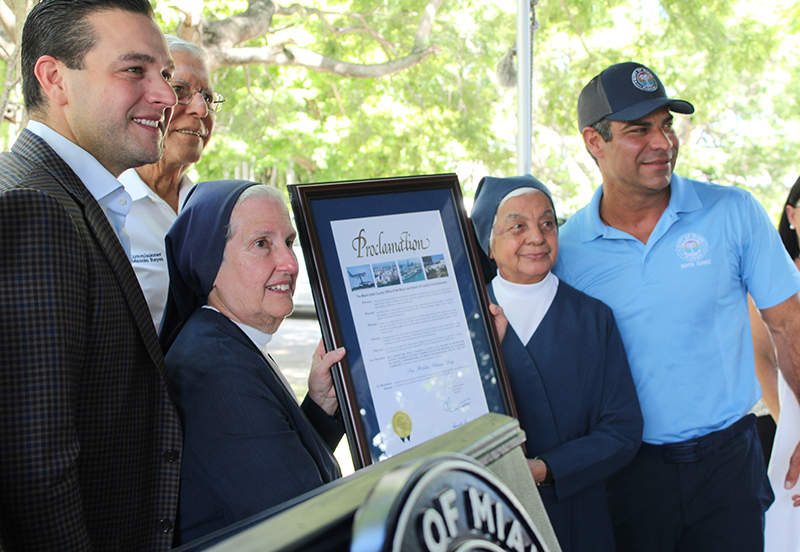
468 490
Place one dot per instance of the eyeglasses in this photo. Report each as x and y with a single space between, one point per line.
186 92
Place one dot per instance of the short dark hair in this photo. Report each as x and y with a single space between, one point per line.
788 235
603 128
59 28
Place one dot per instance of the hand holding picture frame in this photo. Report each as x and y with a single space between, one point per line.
396 281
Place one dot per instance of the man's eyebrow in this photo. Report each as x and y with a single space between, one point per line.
143 58
641 123
637 123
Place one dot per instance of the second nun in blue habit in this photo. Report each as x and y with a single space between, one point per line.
566 364
249 445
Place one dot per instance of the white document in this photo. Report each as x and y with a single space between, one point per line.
411 327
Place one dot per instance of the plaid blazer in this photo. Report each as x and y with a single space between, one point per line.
90 442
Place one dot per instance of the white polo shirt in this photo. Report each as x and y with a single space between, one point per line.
148 222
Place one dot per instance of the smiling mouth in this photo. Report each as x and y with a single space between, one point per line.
658 162
197 133
147 122
537 254
280 287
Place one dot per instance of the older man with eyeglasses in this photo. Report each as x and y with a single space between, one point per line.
159 190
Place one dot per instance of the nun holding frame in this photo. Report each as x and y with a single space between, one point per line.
393 268
565 360
249 445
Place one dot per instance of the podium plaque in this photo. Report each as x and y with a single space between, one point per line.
391 505
445 503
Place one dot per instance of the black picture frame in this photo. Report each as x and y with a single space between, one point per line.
383 304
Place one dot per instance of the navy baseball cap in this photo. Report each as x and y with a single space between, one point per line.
625 92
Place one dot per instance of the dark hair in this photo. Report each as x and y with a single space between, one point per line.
59 28
788 235
603 128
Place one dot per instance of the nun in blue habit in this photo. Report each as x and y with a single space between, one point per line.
249 445
566 363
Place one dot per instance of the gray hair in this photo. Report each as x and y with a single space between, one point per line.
259 190
176 44
603 128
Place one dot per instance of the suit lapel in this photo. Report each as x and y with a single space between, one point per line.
36 150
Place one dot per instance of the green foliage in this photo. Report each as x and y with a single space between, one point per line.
735 60
316 127
730 59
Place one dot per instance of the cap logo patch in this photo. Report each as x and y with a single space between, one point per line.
644 80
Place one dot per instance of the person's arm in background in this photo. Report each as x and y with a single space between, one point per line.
783 321
765 359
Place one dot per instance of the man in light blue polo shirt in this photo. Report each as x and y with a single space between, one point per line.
675 259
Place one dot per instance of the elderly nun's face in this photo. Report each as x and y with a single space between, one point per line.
525 238
255 283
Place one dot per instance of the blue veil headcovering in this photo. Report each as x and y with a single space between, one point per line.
488 196
195 245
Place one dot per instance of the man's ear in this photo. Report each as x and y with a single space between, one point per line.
50 73
593 140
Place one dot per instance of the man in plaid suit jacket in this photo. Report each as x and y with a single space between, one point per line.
90 442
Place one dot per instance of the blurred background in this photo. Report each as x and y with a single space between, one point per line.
330 90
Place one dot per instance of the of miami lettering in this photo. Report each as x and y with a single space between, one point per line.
405 242
486 518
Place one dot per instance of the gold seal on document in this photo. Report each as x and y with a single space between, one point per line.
401 424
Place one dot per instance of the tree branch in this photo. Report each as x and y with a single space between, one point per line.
300 57
9 82
425 26
8 21
7 47
226 33
221 39
578 30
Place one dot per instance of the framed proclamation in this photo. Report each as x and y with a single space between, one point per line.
396 281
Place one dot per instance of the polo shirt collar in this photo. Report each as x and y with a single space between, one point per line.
134 184
138 190
683 199
593 227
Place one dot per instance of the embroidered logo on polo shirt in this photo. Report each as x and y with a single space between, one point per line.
691 247
644 80
140 258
